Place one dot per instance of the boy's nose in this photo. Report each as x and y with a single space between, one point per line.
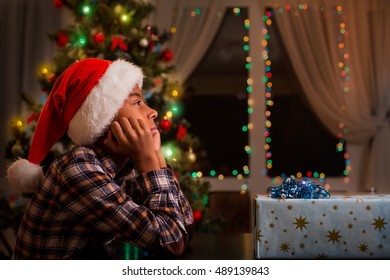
152 114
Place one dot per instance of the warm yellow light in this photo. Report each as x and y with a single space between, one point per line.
175 93
19 123
173 29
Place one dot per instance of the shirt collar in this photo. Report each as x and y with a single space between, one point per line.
110 166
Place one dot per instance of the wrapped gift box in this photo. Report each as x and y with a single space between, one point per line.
341 227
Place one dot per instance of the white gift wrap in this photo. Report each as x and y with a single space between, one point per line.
341 227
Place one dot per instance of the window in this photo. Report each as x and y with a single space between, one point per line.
216 100
298 142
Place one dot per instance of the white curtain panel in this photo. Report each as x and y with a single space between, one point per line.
312 37
196 23
24 45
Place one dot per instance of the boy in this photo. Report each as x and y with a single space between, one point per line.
113 184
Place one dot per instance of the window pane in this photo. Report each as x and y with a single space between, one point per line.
299 143
216 99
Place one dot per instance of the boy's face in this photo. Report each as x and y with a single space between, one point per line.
134 107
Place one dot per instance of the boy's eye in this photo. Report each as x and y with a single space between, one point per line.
138 103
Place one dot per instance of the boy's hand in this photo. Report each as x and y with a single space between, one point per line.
157 149
134 140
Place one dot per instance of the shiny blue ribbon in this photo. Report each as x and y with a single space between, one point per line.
290 188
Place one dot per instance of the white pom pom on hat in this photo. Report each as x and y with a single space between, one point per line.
83 102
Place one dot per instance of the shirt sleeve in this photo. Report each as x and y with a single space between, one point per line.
98 201
136 189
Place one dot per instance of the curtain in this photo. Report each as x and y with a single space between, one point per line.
24 45
196 23
340 51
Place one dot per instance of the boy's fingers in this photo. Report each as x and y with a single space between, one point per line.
118 132
125 125
141 123
134 124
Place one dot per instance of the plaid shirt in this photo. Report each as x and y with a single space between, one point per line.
85 201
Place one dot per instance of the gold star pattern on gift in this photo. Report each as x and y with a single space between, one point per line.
363 248
284 247
333 236
321 256
300 222
379 223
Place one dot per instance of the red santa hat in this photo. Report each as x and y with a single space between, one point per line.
83 102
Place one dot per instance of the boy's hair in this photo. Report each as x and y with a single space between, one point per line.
83 102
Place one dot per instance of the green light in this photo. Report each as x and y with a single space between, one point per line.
244 128
250 110
213 173
248 66
315 174
268 139
346 172
194 175
197 11
246 48
82 40
205 200
265 79
86 10
235 172
249 89
246 172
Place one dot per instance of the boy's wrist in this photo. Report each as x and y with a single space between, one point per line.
161 159
147 163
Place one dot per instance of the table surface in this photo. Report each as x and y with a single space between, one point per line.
203 246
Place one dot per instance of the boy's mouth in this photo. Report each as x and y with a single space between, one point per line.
154 130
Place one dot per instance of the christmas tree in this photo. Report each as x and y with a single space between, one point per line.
119 29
